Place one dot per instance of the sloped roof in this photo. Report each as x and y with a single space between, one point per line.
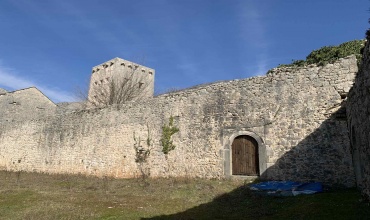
3 91
33 88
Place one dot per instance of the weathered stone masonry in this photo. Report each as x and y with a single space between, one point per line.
294 114
359 123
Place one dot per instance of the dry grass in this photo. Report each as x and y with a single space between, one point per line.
40 196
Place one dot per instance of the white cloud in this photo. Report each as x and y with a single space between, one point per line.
253 32
10 80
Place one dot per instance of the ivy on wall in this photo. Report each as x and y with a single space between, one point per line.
142 153
167 131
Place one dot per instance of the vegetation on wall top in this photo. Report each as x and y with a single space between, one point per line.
329 54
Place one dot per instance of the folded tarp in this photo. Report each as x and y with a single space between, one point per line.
287 188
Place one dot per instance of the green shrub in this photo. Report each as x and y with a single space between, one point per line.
167 132
329 54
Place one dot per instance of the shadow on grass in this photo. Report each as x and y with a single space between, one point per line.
245 204
241 202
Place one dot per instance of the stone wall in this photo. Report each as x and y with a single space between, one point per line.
359 123
295 115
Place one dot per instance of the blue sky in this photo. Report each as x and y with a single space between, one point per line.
53 44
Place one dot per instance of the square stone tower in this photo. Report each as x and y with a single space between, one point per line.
117 81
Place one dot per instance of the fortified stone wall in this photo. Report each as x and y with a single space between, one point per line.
359 123
295 115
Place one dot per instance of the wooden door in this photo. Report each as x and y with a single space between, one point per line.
245 156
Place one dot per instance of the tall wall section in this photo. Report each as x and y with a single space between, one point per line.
359 123
295 115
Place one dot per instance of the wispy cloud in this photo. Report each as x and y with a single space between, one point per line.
10 80
262 67
190 69
253 27
253 32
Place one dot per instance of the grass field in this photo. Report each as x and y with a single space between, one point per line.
41 196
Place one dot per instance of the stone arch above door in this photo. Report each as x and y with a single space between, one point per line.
228 154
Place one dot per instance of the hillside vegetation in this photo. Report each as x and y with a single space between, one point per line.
329 54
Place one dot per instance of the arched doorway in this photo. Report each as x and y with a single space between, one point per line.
244 156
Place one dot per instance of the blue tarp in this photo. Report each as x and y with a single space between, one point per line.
287 188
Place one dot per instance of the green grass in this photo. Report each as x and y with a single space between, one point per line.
41 196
